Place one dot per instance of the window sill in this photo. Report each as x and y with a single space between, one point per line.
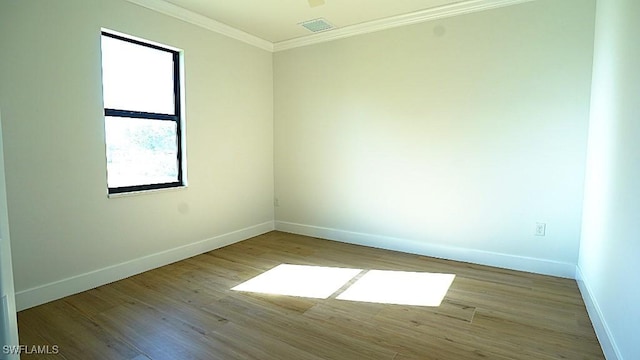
145 192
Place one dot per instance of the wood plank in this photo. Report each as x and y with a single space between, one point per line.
77 336
187 310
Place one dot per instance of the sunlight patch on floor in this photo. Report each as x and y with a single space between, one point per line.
300 280
400 287
375 286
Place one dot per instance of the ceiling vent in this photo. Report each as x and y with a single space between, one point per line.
314 3
317 25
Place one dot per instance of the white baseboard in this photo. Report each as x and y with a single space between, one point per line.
78 283
607 342
506 261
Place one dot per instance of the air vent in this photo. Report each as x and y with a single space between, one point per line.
314 3
317 25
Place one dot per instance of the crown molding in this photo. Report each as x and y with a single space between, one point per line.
204 22
459 8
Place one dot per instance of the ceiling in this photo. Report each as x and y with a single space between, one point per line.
275 25
278 20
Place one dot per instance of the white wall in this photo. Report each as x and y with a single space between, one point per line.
450 138
8 319
66 234
609 262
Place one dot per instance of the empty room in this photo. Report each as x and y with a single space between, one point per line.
320 179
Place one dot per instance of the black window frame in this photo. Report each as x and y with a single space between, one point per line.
176 117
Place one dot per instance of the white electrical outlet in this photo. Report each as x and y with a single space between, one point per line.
541 229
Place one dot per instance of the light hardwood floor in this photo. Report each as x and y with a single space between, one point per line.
186 310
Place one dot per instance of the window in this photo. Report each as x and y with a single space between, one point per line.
141 93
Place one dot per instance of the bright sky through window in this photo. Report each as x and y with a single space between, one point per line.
136 77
